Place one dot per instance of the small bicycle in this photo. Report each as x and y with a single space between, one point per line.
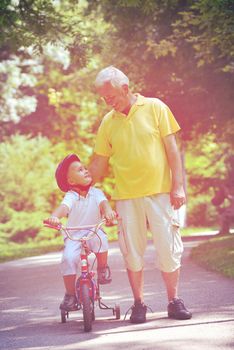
87 289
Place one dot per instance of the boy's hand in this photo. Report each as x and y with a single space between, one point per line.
53 220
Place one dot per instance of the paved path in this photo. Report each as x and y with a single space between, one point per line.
31 290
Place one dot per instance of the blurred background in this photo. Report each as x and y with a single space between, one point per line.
50 51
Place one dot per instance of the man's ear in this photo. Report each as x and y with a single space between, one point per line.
125 88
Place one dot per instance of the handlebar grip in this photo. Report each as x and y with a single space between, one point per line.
46 223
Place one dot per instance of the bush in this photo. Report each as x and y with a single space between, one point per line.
201 212
26 175
22 226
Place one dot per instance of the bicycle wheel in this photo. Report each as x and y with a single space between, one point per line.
87 307
117 311
64 315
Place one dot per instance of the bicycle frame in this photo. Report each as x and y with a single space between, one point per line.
86 276
87 289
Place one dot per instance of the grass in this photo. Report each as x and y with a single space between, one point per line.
49 241
11 251
216 254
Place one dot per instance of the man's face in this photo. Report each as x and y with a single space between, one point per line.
78 175
116 97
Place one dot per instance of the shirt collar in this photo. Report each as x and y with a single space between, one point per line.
139 102
90 193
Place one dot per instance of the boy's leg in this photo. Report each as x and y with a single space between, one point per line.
69 284
69 266
69 302
103 270
102 259
99 245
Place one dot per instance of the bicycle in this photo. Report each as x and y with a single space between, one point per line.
87 289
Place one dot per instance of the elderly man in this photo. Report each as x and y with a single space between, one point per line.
138 135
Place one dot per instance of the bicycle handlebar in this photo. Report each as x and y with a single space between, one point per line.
60 227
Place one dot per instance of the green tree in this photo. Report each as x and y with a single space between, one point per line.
207 165
34 23
26 174
28 187
180 51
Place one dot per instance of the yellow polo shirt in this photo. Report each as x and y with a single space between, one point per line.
135 146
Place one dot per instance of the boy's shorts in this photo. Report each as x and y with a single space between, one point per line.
153 213
72 249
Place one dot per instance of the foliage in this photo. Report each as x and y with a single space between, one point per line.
17 74
207 170
180 51
34 34
217 254
209 27
38 22
22 226
26 173
12 250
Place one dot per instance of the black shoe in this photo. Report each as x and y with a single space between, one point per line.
138 312
177 310
104 275
69 303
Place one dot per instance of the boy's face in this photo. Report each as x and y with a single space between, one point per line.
78 175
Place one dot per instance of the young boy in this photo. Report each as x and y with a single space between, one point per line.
83 205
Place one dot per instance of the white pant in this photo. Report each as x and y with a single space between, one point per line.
156 214
72 249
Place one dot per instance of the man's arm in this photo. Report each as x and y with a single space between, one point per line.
106 211
98 167
175 164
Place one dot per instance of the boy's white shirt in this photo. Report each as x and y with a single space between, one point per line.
83 210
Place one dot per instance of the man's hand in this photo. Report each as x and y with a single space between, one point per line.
110 216
177 197
98 167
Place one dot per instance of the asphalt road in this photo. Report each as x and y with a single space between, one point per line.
31 290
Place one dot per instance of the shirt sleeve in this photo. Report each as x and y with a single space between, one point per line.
167 122
100 197
69 200
103 146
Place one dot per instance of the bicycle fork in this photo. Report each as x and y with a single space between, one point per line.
86 277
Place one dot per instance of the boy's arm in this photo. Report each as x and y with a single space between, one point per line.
60 212
106 211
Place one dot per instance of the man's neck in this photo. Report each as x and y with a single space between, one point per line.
132 100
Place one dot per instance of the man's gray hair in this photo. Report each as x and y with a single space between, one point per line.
112 75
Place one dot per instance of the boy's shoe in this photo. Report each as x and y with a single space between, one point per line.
104 275
177 310
69 303
138 312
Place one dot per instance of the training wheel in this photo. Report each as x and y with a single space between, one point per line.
117 311
64 315
93 314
